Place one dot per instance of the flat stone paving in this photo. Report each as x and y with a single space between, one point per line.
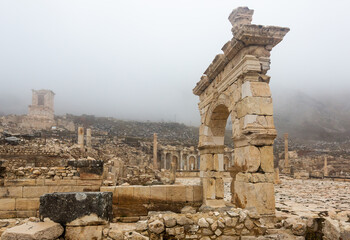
312 196
300 197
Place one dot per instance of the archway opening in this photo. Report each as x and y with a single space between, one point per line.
167 161
175 160
192 163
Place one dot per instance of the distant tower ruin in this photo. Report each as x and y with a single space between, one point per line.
41 111
42 104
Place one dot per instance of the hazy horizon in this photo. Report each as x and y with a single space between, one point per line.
140 60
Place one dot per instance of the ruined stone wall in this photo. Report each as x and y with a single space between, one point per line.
21 188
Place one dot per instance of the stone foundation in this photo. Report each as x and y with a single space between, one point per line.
136 201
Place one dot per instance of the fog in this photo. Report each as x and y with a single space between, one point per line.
140 59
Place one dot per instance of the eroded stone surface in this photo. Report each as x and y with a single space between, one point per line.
65 208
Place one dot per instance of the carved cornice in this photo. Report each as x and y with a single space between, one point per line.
245 34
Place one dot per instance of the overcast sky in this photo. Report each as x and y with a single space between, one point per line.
140 59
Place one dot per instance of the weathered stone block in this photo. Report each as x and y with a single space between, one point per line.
175 193
207 162
158 194
67 207
197 193
208 188
125 194
189 194
7 214
26 214
20 182
267 159
247 158
142 194
11 192
34 231
255 106
258 195
7 204
219 188
84 232
27 204
34 191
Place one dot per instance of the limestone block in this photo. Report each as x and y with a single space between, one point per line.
142 194
89 182
254 106
208 188
207 162
7 204
258 195
11 192
267 159
34 231
256 121
247 158
34 191
7 214
219 188
246 89
84 232
189 193
260 89
67 207
175 193
27 203
125 194
218 162
20 182
26 214
197 193
158 193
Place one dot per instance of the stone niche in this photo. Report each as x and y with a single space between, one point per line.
235 84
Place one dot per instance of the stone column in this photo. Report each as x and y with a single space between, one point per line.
81 137
325 168
173 172
155 145
88 137
286 169
277 176
181 161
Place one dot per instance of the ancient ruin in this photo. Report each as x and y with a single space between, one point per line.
235 84
100 178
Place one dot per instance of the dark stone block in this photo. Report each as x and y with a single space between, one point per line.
63 208
87 166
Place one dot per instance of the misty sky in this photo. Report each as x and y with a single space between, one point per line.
140 59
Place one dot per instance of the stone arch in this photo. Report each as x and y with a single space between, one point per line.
235 84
